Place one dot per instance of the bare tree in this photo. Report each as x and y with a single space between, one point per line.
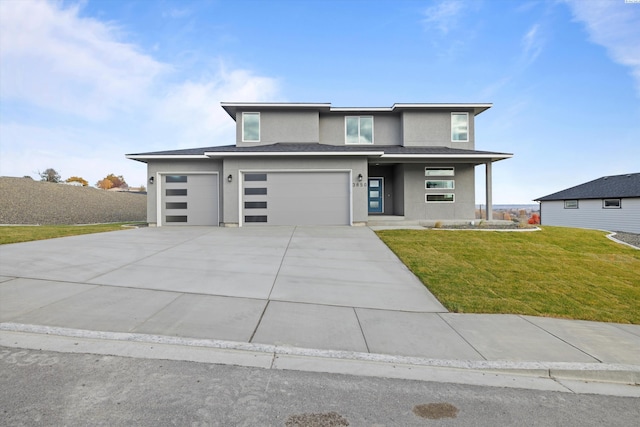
50 175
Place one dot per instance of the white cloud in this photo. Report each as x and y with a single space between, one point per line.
193 108
52 58
614 25
443 15
76 96
532 44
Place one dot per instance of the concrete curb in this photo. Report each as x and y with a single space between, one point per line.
597 372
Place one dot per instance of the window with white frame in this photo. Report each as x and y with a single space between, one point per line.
571 204
611 204
439 198
460 127
251 127
439 183
444 171
358 129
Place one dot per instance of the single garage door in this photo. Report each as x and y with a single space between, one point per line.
189 199
296 198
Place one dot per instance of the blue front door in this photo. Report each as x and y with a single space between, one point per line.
376 193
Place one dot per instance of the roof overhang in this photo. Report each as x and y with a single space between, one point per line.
217 154
144 157
233 107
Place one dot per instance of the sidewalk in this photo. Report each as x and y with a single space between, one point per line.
330 299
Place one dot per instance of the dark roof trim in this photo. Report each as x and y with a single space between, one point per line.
606 187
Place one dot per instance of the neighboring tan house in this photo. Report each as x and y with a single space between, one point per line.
608 203
314 164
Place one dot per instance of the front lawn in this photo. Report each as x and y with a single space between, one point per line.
19 233
557 272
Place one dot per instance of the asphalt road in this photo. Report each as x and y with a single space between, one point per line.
47 388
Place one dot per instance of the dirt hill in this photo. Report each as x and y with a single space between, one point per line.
25 201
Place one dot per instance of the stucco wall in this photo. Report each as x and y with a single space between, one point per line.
591 214
175 166
415 207
282 126
386 128
233 166
433 128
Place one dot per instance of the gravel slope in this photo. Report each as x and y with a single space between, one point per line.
25 201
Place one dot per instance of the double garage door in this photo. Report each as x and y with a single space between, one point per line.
296 198
189 199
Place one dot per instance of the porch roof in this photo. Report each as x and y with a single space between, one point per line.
382 152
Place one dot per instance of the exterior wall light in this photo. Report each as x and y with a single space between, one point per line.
359 177
151 179
229 178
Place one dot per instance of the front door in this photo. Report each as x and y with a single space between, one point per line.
376 193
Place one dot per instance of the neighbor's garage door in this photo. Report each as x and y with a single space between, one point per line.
189 199
296 198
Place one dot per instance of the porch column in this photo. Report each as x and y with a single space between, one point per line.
488 186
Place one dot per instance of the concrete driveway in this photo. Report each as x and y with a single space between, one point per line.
316 287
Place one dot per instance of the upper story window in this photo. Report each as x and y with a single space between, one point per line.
250 127
358 130
460 127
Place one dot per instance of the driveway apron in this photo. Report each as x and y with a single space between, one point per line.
315 287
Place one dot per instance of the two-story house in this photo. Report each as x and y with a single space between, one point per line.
314 164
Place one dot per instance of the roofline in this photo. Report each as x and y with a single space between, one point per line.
232 107
164 156
219 154
292 153
500 156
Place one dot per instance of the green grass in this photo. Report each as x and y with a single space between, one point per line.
557 272
17 234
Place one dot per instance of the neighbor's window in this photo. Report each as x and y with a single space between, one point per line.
358 130
460 127
438 171
440 183
250 127
611 204
439 198
571 204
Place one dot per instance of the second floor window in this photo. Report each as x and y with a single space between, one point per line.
359 130
250 127
460 127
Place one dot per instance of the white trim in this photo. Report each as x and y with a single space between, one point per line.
241 173
441 201
165 156
468 126
211 154
453 181
159 200
381 192
453 170
448 156
242 126
359 127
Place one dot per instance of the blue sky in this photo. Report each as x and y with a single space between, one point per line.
84 83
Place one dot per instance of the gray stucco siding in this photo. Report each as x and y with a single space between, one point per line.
415 207
283 126
433 128
386 128
591 214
